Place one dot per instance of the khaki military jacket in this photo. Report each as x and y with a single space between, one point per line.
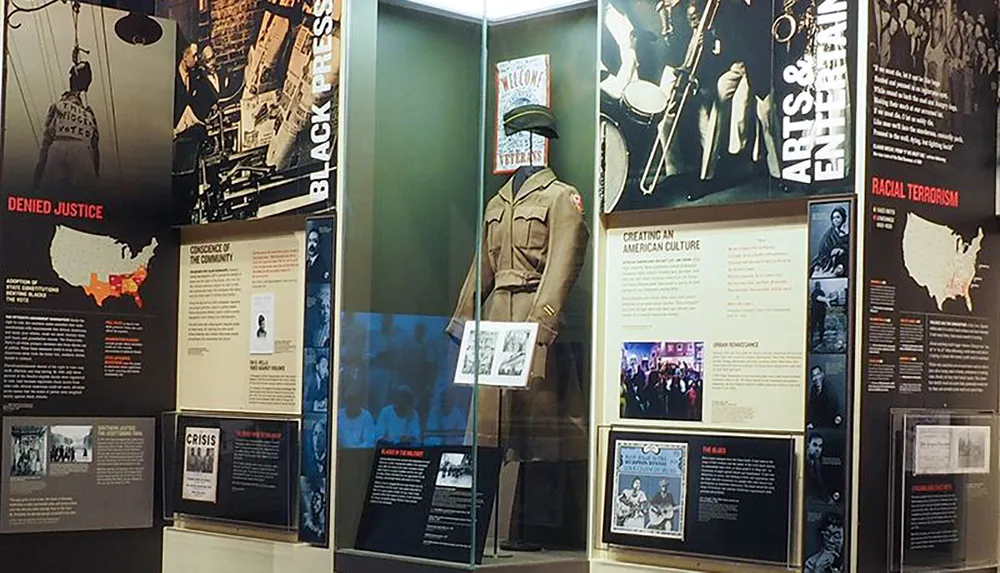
534 243
533 247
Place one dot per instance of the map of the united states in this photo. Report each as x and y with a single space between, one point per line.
102 266
940 260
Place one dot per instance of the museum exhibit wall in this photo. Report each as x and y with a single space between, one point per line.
914 484
713 450
929 355
258 392
776 309
89 260
256 179
118 128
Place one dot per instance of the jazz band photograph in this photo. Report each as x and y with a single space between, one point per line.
690 114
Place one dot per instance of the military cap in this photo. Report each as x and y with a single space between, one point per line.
531 117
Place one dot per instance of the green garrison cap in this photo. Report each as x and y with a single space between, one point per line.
531 117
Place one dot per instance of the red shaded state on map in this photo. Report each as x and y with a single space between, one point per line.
117 286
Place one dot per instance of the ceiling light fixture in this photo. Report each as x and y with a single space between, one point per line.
497 10
138 29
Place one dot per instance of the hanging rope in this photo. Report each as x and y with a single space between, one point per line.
100 62
76 33
111 93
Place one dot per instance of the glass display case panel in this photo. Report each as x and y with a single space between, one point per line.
232 471
412 214
465 342
943 493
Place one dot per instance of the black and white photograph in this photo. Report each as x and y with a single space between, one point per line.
949 42
662 380
262 317
313 506
830 240
256 107
825 544
200 459
85 130
827 391
316 380
200 480
28 449
318 317
707 102
487 348
319 250
973 449
316 435
828 320
455 470
825 469
514 358
71 445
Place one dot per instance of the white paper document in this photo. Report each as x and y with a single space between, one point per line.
951 450
505 353
201 464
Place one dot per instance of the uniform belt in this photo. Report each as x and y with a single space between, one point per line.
514 280
67 138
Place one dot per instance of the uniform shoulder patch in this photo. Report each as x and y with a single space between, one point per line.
577 200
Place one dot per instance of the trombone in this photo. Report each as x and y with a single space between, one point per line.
684 84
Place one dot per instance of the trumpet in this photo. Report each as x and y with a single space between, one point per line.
786 26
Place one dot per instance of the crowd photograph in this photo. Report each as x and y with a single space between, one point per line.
662 380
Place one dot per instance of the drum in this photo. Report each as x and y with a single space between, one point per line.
644 102
614 163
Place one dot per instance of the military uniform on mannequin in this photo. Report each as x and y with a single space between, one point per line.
534 242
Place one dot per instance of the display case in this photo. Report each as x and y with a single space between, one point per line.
943 493
233 473
464 362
